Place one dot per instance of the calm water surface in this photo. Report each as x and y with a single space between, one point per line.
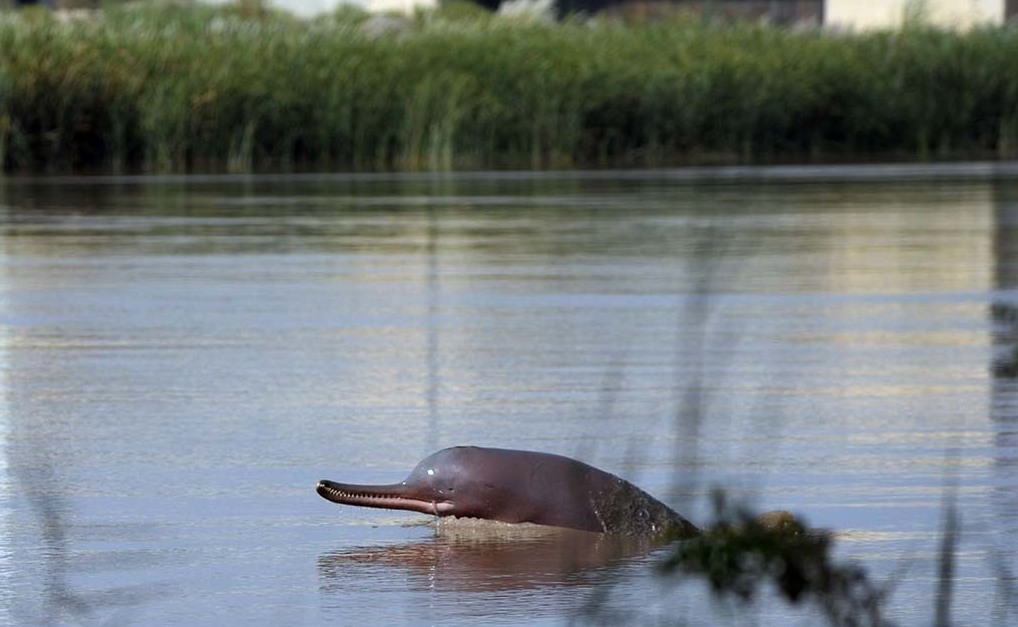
181 359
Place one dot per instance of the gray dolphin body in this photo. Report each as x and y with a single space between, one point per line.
519 486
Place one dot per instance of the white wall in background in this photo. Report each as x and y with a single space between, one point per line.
860 15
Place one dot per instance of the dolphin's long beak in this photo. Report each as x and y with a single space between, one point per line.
393 496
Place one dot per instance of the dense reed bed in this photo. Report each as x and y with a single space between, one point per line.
179 87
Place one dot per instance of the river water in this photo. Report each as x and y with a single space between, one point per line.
182 358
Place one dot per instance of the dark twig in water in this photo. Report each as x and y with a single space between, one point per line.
60 600
948 548
1005 335
1007 588
708 255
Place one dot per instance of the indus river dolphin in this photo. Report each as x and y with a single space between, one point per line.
517 487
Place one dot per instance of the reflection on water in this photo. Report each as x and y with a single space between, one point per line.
182 358
483 556
482 569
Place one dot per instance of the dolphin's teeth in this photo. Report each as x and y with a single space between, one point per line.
359 495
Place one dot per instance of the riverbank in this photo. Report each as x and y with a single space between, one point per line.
178 88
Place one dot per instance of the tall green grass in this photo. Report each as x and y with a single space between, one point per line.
179 87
